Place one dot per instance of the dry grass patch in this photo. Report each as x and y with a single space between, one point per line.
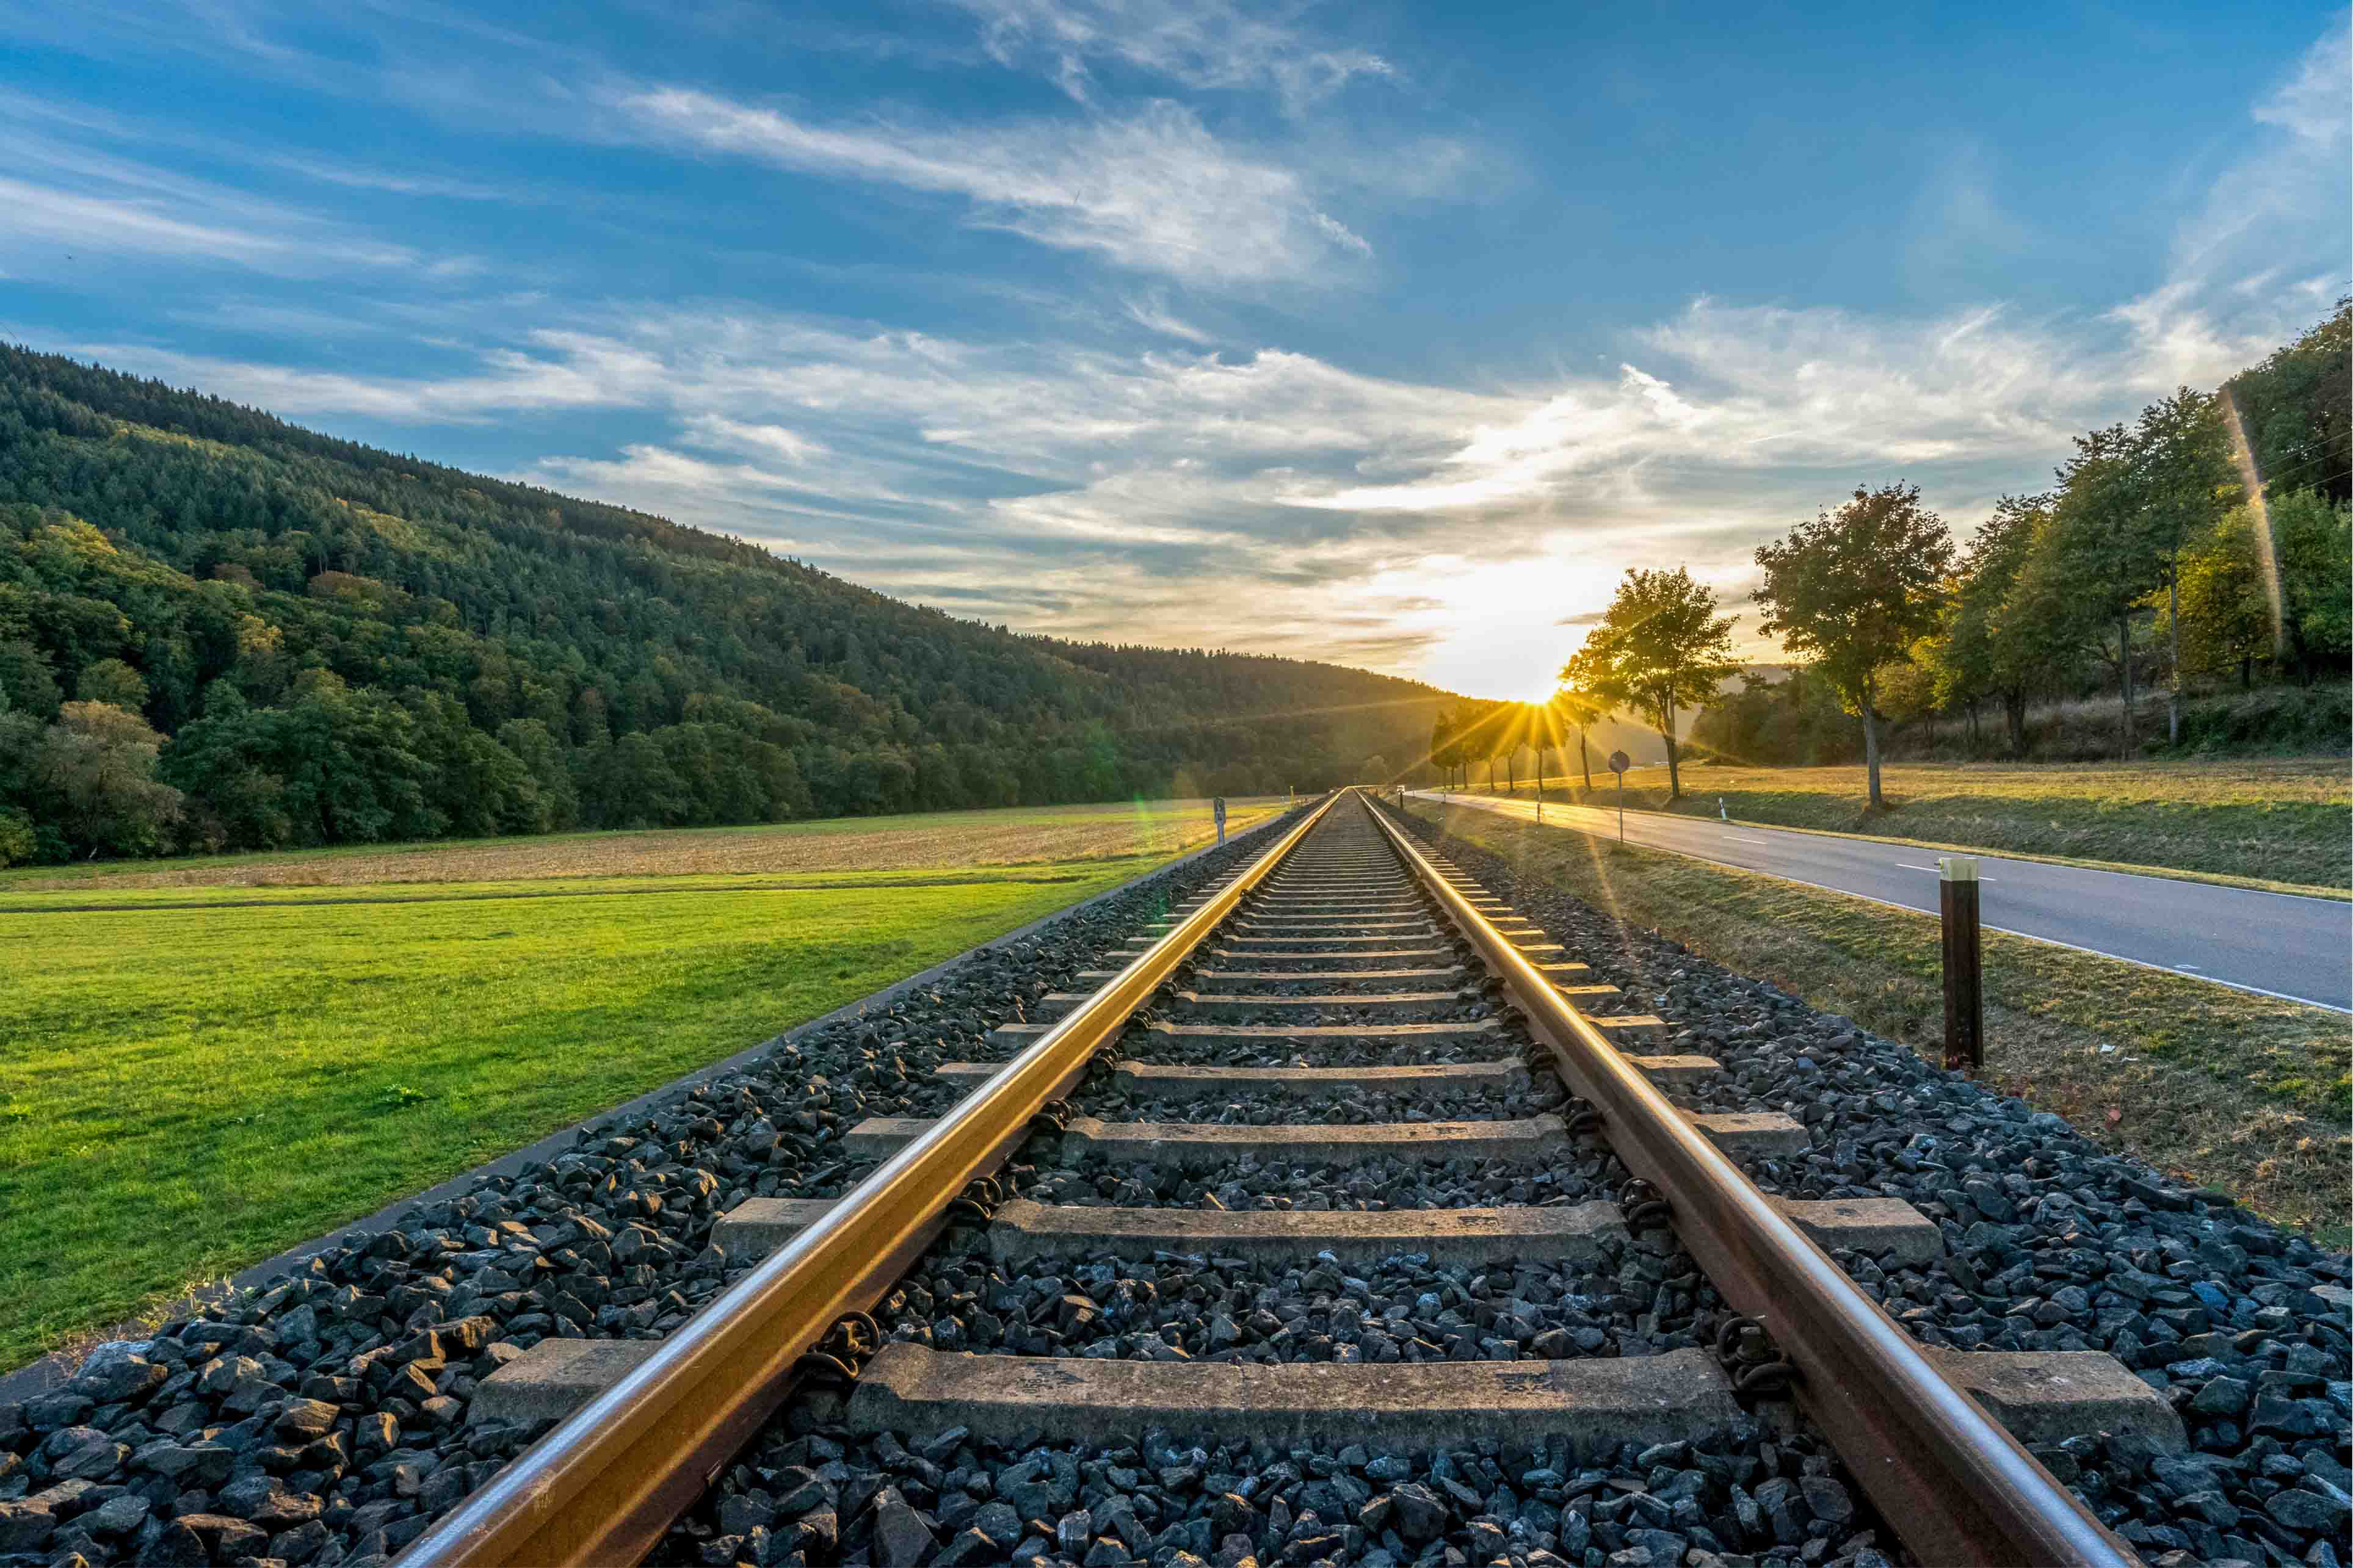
1021 835
2244 1094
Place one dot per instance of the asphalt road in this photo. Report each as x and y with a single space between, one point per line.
2276 944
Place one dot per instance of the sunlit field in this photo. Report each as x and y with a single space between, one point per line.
1021 835
2270 819
217 1072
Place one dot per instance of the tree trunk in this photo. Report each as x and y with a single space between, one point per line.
1674 767
1974 740
2014 709
2124 675
2173 698
1871 751
1511 770
1584 762
2247 673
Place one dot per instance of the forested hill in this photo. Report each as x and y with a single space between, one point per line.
220 630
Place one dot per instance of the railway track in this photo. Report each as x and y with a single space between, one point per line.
1590 1285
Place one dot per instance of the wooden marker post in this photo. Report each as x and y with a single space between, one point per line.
1964 978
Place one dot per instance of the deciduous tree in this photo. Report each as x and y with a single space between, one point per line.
1978 656
2221 618
2313 541
1581 703
113 682
2182 474
1853 590
1663 648
97 766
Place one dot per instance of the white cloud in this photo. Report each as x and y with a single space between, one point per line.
584 373
1208 44
1204 498
2265 252
358 178
718 431
62 197
1154 316
2310 106
1152 190
1766 388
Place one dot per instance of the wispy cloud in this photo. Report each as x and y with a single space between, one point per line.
1154 316
929 464
1152 190
774 441
1206 45
2267 248
1762 388
358 178
582 374
65 197
55 224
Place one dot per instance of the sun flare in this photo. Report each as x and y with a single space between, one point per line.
1494 628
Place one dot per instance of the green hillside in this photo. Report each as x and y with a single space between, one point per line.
219 630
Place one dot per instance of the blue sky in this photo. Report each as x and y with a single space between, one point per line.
1384 333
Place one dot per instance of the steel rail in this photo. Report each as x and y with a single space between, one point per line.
602 1485
1955 1486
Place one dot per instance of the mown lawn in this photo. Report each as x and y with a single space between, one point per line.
2269 820
2245 1093
190 1086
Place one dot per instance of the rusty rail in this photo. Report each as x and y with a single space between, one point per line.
1951 1480
605 1483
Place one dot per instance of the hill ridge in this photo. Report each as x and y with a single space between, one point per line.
313 640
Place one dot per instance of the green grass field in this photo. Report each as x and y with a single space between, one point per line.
933 841
194 1083
2246 1094
2271 821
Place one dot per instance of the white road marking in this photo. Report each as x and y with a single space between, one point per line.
1738 839
1934 871
2192 967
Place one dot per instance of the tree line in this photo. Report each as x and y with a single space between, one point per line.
221 631
2209 542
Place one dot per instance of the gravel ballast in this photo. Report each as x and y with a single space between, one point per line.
1387 1183
814 1498
1172 1308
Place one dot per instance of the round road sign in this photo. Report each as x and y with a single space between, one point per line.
1619 761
